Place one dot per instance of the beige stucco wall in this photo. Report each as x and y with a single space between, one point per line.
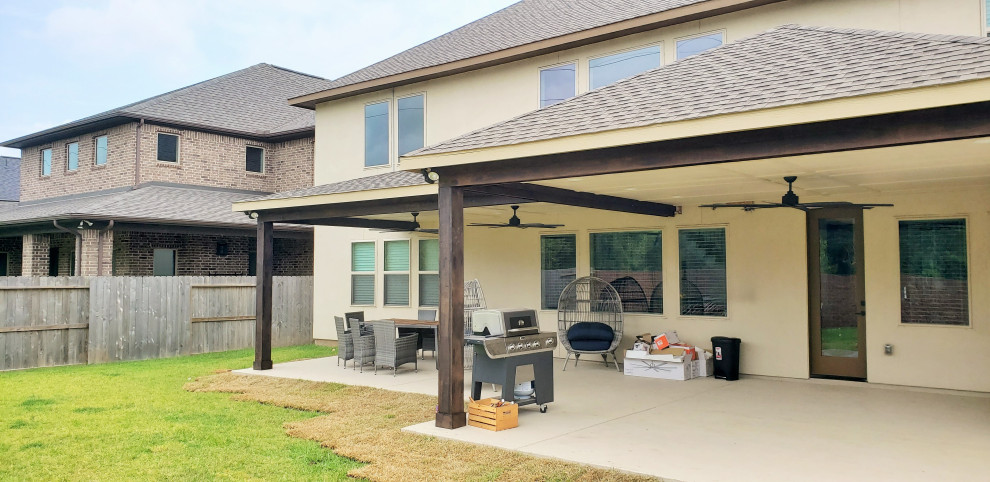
767 265
766 285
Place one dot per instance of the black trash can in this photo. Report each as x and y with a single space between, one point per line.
726 357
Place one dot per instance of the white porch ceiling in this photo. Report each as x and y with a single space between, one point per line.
861 176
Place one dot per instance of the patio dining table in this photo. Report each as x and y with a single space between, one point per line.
419 324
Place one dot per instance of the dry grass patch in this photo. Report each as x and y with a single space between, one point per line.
365 424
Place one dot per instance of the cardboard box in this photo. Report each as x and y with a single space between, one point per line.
651 367
703 366
673 354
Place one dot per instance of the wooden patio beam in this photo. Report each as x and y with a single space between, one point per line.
263 312
567 197
327 213
869 132
362 223
450 332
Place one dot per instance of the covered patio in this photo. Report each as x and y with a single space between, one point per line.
704 429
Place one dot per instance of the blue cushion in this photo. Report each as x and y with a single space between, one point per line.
588 336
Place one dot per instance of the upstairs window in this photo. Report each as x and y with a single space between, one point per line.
632 262
698 44
934 272
46 162
72 156
254 159
557 84
101 150
429 272
376 134
168 147
609 69
411 123
702 256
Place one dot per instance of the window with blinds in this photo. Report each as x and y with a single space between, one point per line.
702 260
363 273
397 273
558 267
632 263
934 272
429 272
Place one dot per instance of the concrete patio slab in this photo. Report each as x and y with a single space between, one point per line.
756 428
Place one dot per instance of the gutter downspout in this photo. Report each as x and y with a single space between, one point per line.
78 245
99 249
137 154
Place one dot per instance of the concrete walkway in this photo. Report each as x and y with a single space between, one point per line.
756 428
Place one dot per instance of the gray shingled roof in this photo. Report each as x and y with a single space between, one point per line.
150 203
785 66
378 181
10 178
251 101
518 24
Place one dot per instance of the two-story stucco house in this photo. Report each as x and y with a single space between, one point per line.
145 189
658 134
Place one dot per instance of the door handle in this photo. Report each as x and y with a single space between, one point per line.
861 313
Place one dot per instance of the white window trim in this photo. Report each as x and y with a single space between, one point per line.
67 156
577 83
408 274
622 51
178 147
969 268
96 143
51 161
364 134
697 35
397 156
728 284
264 163
373 273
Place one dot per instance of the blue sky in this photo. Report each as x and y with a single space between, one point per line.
64 60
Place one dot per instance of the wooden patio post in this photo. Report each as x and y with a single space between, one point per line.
263 313
450 336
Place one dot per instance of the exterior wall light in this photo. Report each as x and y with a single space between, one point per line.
431 176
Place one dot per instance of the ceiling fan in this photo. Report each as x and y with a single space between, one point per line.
514 222
417 229
790 200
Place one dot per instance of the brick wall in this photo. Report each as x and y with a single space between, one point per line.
196 255
66 244
117 172
12 246
92 263
219 161
34 254
204 159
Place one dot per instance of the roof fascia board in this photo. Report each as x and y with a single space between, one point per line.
337 198
563 42
834 109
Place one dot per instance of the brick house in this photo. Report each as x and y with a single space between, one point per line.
145 189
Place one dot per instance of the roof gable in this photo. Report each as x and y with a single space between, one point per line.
252 102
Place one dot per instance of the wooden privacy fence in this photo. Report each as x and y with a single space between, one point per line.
64 321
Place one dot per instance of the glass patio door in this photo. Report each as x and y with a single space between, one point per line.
836 293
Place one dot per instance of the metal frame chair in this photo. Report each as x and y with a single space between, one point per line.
594 300
345 344
429 337
392 352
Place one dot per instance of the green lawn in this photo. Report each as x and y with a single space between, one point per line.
133 420
844 338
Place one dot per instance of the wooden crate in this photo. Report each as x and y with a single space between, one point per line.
482 414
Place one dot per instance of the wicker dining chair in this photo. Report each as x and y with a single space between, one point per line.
357 316
392 352
364 346
429 337
345 344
